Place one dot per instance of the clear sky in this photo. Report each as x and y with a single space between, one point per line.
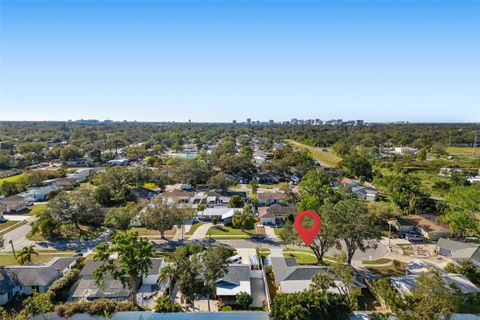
225 60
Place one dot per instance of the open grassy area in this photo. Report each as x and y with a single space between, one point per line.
153 233
14 178
220 230
461 150
36 209
70 232
326 157
194 227
7 259
389 271
302 257
377 261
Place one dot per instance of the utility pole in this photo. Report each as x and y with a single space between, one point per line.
13 249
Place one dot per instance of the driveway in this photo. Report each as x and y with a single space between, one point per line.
201 232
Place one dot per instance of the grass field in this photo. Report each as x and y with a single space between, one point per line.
7 259
14 178
461 150
153 233
36 209
377 261
389 271
302 258
220 230
326 157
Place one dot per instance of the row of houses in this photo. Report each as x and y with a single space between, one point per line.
19 202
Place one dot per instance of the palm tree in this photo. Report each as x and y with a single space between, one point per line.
25 255
170 271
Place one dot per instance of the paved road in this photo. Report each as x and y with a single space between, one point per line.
374 253
17 235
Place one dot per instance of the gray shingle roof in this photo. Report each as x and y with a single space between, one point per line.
92 265
454 245
236 273
11 276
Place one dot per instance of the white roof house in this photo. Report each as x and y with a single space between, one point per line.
236 280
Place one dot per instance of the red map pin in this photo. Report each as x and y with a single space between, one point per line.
308 235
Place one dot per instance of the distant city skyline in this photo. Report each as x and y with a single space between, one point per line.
219 61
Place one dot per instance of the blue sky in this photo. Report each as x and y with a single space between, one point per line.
225 60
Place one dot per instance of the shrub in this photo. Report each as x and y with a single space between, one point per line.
58 291
165 304
99 307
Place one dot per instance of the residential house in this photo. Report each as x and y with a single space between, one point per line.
144 193
235 280
417 224
65 182
177 196
350 183
459 251
224 214
272 197
275 214
266 178
291 277
405 284
87 290
14 203
39 193
23 280
366 193
83 174
118 162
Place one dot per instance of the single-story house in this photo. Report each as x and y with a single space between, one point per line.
178 196
459 251
81 175
78 163
275 214
405 284
65 182
291 277
118 162
266 178
14 203
144 193
23 280
224 214
365 193
423 226
39 193
87 290
272 197
235 280
350 183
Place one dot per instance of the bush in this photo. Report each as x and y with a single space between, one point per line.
165 304
243 300
99 307
226 309
58 291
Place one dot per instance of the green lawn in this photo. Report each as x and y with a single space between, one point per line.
326 157
377 261
7 224
14 178
36 209
7 259
302 258
389 271
220 230
150 232
194 227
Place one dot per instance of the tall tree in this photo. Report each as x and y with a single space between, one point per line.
119 218
162 217
354 224
134 260
214 265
